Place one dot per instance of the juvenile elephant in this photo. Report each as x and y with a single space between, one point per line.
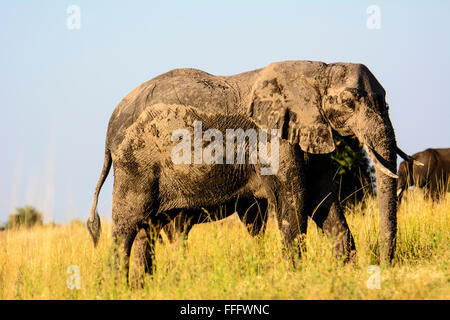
305 101
429 170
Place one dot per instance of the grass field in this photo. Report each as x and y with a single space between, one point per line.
221 261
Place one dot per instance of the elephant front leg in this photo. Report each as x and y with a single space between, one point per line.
253 213
324 207
290 201
330 218
292 223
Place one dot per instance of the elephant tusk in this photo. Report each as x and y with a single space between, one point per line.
378 164
403 155
408 158
418 163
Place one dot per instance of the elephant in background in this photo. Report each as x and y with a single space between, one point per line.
430 169
306 101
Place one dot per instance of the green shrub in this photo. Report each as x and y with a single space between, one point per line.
353 175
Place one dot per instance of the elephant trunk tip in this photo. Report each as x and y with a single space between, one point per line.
94 227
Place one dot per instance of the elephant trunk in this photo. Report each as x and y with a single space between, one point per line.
387 202
380 145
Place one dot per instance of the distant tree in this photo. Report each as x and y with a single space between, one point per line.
26 217
77 223
353 175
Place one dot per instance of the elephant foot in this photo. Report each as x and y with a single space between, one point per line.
344 248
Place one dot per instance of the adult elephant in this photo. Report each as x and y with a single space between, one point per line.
430 169
306 101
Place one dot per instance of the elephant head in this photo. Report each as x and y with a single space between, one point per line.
307 100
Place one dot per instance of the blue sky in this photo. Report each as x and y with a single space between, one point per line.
58 87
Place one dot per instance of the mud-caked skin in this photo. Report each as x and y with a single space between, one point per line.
305 100
150 189
321 204
430 171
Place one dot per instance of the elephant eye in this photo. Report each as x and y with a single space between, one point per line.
348 99
348 103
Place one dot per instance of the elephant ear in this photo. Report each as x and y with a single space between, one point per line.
285 99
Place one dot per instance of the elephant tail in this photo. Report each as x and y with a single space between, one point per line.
93 223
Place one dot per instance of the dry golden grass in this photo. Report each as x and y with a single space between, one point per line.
221 261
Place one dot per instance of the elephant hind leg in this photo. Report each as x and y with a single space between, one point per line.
123 237
292 224
144 253
324 207
330 218
130 212
181 225
292 221
253 213
287 194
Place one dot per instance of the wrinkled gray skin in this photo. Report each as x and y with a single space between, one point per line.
305 100
433 176
150 190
